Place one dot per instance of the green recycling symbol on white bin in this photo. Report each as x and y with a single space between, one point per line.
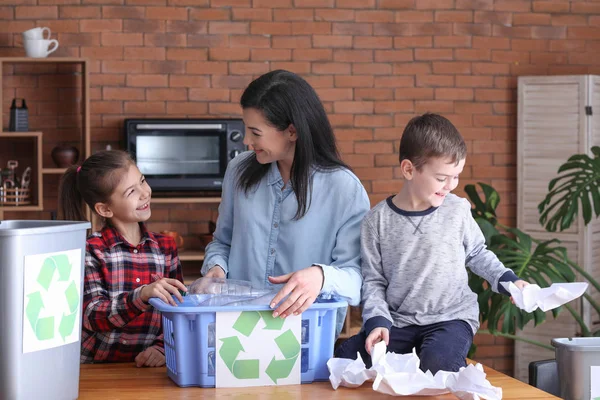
250 369
54 269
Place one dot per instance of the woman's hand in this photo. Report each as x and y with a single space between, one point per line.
376 336
163 289
303 288
151 357
210 283
215 272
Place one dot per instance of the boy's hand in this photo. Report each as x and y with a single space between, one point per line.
163 288
521 285
303 288
151 357
376 336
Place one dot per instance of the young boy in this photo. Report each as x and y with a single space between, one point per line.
414 247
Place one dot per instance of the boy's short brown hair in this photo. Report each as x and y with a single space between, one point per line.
430 136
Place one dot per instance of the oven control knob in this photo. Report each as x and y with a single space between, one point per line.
234 153
236 136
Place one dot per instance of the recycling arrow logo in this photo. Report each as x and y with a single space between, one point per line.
232 352
52 301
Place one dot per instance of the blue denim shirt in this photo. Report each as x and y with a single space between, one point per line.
256 235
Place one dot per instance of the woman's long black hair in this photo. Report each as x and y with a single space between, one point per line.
286 99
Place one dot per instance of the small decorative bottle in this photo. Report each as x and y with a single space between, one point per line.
19 117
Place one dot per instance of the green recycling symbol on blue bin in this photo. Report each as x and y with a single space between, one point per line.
250 369
54 269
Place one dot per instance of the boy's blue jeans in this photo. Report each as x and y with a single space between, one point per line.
442 346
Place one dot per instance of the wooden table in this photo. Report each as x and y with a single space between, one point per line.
126 382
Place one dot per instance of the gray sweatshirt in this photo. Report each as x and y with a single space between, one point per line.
413 265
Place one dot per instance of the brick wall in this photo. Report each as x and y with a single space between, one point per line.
375 64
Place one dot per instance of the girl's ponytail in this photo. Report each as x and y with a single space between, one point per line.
71 206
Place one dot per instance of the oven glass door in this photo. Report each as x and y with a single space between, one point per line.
181 154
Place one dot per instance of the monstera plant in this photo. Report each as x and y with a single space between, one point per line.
543 262
578 183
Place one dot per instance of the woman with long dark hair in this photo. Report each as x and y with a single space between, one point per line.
291 209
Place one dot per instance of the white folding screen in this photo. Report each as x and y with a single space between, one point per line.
554 122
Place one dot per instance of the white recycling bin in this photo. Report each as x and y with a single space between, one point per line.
578 361
41 282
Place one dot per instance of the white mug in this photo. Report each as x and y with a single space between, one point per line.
39 48
36 33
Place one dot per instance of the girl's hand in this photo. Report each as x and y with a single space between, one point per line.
376 336
303 288
151 357
163 289
215 272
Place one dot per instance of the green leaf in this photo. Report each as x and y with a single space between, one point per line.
483 209
508 323
488 229
471 191
578 184
586 208
538 317
472 350
596 200
556 312
492 197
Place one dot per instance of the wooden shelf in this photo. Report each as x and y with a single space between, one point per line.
59 171
20 134
78 69
21 208
191 255
42 60
191 274
26 148
174 200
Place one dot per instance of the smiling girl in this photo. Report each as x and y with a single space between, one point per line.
125 264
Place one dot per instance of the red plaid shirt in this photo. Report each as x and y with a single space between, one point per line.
117 324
